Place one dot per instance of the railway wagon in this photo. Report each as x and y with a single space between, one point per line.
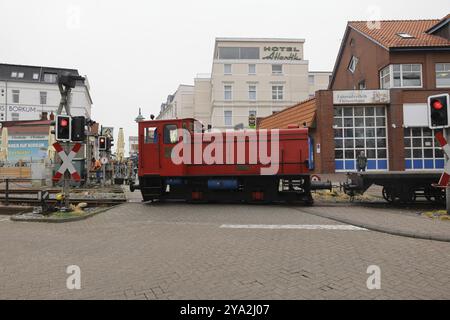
178 161
398 186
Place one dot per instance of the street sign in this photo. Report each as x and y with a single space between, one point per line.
104 160
67 164
445 178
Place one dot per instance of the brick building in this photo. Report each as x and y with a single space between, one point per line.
377 98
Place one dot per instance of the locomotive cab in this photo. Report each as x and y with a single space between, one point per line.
157 138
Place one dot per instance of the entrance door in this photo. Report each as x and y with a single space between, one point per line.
169 139
149 153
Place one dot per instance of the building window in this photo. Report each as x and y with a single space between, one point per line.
35 76
15 116
228 118
228 92
236 53
353 64
385 78
252 69
311 79
277 68
401 76
277 93
50 77
16 96
252 92
405 35
362 85
359 129
442 75
43 97
252 113
14 74
422 151
227 68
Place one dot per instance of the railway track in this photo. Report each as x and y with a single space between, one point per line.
90 202
25 197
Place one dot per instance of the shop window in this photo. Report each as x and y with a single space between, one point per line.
359 129
422 151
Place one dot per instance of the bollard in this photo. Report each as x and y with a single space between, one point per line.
7 192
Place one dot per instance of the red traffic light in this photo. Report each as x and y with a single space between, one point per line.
64 123
437 105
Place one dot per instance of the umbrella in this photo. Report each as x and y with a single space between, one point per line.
51 152
4 145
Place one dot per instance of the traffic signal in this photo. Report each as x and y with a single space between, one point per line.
102 143
109 144
78 129
63 128
438 111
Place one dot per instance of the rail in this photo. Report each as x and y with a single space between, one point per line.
21 194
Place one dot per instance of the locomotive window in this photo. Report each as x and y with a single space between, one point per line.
170 134
151 136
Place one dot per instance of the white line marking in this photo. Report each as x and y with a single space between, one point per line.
4 219
294 227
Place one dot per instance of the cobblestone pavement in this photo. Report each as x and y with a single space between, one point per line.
179 251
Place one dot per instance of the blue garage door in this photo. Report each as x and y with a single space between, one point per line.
360 128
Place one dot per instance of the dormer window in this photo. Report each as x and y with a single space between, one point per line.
405 35
352 65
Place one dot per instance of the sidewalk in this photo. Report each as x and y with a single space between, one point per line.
389 221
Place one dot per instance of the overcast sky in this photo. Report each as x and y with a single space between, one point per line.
136 52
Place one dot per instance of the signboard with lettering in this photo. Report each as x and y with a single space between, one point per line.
27 148
361 97
282 53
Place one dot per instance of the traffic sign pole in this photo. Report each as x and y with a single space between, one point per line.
447 189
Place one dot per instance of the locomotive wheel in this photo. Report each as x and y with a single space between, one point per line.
388 195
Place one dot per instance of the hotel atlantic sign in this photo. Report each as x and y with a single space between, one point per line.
281 53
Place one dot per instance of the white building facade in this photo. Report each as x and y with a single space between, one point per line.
28 91
250 78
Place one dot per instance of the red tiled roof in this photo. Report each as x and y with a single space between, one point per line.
387 35
299 114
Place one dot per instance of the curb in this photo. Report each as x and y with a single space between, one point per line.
16 218
387 230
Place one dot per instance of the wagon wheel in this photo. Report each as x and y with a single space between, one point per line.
439 196
408 196
387 195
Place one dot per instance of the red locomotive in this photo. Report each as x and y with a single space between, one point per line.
178 161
